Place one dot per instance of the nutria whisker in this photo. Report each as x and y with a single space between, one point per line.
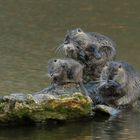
58 49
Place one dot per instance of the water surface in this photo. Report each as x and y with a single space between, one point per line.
30 30
125 127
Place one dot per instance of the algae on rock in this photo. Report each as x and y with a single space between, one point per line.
41 107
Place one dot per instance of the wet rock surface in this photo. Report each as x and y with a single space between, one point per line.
55 103
59 103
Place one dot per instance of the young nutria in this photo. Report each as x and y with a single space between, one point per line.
91 49
63 71
120 84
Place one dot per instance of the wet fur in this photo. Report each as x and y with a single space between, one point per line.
93 50
122 83
63 71
80 39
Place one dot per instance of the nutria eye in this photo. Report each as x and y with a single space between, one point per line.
78 47
63 66
79 30
120 66
55 60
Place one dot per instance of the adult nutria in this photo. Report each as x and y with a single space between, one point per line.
91 49
66 70
120 84
77 41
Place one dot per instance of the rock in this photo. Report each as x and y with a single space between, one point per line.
55 103
59 104
107 110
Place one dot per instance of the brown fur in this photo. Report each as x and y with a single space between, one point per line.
120 83
91 49
66 70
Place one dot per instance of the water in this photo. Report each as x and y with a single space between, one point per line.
30 30
125 127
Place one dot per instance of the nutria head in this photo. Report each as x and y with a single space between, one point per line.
74 42
75 32
88 49
71 49
78 36
99 55
93 52
115 71
56 70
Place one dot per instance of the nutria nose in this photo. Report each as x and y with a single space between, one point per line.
66 42
70 48
96 52
114 70
98 56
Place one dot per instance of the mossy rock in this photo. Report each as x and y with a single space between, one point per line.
16 107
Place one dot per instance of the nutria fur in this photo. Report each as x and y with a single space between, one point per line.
120 83
66 70
91 49
77 41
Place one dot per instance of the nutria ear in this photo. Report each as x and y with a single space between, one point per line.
55 60
95 51
104 47
120 66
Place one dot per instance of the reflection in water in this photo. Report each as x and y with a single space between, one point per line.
29 33
124 127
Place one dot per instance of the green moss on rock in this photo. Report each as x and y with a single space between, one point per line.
62 107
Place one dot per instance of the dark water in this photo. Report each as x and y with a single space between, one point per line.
122 128
30 30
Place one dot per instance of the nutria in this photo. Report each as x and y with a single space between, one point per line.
66 70
120 84
77 41
91 49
